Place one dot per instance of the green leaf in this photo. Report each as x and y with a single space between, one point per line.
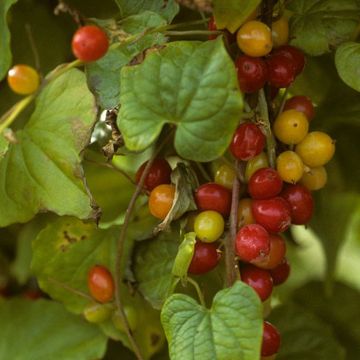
44 330
104 75
4 145
186 182
231 14
340 309
42 170
319 25
5 58
167 9
347 60
184 255
231 329
191 85
304 336
153 264
75 247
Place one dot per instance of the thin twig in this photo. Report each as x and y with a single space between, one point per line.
230 262
282 103
120 250
198 291
270 140
33 46
192 32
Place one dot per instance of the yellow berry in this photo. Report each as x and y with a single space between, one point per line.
23 79
245 215
225 176
291 127
316 149
254 38
315 178
257 162
209 226
280 32
290 166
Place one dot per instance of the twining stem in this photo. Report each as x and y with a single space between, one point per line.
230 261
283 101
198 291
270 140
121 246
9 117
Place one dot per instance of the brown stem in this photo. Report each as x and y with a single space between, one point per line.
71 289
230 262
33 46
120 250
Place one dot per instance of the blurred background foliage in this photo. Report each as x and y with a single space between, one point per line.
328 250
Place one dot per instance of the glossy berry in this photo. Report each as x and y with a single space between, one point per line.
101 284
273 214
316 149
280 32
275 255
98 313
264 184
314 178
291 127
209 226
281 72
259 279
271 340
257 162
215 197
245 216
161 200
252 242
302 104
248 141
23 79
254 39
131 316
290 166
252 73
225 176
205 258
301 203
159 173
295 55
281 273
89 43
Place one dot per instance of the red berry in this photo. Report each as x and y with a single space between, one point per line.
265 183
248 141
159 173
101 284
302 104
271 340
295 55
89 43
252 242
281 71
252 73
275 256
205 258
259 279
281 273
273 214
301 203
215 197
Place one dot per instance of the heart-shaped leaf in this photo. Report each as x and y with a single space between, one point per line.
347 60
44 330
191 85
231 14
42 170
231 329
319 25
5 58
